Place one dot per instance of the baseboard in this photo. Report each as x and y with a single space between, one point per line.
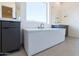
73 37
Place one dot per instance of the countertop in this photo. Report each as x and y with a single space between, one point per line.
11 20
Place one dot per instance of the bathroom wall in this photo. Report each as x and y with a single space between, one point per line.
71 11
9 4
21 14
54 12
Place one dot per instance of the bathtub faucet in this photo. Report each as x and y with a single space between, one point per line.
41 25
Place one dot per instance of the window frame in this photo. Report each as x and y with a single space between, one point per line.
47 12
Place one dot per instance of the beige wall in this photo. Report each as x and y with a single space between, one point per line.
21 12
55 11
71 11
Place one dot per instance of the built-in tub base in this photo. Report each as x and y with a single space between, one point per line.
39 40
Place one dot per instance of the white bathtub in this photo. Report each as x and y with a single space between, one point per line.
36 40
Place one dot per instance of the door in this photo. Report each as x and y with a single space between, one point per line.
10 36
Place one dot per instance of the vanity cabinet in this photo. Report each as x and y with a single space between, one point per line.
62 26
0 36
10 36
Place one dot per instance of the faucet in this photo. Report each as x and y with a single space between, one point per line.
41 25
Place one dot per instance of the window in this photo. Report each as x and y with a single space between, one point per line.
37 11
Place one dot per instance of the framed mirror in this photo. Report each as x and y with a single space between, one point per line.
7 12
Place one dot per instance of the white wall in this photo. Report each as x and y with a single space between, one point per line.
21 8
23 14
54 12
71 11
9 4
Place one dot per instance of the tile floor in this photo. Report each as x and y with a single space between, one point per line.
70 47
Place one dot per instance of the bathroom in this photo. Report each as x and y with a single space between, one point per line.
42 23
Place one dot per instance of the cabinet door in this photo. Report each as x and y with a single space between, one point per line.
10 36
0 36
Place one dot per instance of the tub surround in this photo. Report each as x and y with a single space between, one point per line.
42 29
36 40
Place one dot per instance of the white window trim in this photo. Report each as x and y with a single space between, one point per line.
47 12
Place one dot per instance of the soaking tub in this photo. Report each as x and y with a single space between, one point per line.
36 40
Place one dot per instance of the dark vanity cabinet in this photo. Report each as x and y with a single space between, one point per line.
0 36
62 26
10 36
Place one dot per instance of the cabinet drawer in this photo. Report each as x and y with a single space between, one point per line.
10 24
